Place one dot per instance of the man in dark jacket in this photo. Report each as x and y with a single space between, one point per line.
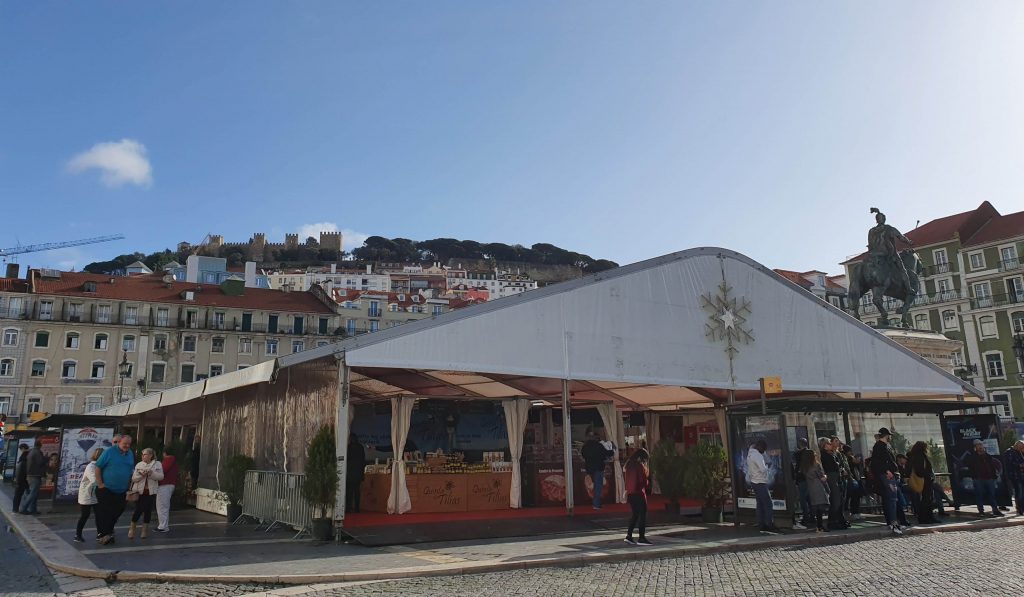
833 472
984 470
355 467
886 473
594 457
799 457
35 465
1013 468
20 476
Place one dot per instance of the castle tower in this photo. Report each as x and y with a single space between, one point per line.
257 246
330 240
291 241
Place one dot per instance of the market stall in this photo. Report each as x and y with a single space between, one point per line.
443 483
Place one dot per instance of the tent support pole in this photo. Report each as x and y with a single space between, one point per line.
341 443
846 426
167 427
567 446
141 428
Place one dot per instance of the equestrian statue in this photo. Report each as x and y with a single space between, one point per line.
886 272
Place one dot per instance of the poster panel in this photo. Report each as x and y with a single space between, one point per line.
78 443
961 432
50 448
749 430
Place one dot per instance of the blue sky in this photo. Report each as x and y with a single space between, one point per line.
623 130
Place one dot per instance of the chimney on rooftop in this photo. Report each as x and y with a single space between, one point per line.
13 269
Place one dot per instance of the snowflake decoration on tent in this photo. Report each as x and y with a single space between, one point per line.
727 318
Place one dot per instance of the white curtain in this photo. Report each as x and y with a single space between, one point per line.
517 411
616 434
652 423
399 501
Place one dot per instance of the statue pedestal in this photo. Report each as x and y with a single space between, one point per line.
931 345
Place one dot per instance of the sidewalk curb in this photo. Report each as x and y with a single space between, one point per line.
564 561
44 542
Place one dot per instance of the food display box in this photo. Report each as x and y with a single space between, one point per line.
547 484
459 492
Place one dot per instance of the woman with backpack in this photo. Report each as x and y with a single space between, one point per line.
921 479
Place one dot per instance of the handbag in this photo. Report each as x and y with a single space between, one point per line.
131 496
916 483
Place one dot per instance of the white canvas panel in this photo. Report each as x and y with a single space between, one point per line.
182 393
144 404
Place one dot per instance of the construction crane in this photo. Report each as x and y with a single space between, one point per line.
5 253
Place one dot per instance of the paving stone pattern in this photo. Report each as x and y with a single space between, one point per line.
962 564
158 589
21 573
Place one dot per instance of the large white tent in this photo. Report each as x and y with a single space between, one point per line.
693 329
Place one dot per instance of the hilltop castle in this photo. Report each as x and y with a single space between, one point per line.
258 249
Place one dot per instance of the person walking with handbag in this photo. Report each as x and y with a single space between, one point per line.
921 483
145 483
638 486
165 492
87 495
113 476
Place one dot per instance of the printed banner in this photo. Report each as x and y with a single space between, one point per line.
77 445
750 430
962 431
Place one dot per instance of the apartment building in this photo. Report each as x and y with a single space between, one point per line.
972 291
497 283
831 289
362 312
65 335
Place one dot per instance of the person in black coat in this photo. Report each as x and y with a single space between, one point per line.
920 465
886 474
595 456
20 476
355 466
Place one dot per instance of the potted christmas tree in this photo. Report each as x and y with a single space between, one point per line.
233 483
707 478
320 487
667 468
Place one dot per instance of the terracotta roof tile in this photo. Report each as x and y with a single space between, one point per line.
151 288
13 285
999 228
794 277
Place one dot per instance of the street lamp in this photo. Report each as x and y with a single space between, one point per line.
124 369
1018 351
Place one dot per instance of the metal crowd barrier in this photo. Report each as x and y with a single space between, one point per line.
273 498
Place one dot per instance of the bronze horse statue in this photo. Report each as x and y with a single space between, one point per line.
882 280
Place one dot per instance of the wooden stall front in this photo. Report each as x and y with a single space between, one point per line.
441 492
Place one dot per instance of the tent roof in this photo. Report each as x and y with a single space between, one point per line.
678 331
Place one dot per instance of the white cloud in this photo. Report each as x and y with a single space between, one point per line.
119 162
351 239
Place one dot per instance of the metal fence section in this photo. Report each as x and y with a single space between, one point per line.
273 498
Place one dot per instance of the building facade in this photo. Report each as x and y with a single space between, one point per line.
363 312
66 335
972 291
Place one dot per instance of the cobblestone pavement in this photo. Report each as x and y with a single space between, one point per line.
961 564
21 573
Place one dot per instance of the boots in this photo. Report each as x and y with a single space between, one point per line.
131 530
145 530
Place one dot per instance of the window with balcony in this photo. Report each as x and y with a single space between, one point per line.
994 365
271 348
944 288
374 325
246 322
188 344
192 320
982 295
216 370
987 326
1014 290
128 343
298 346
1017 319
102 313
188 373
71 341
6 367
163 317
100 342
322 326
298 325
42 339
977 260
14 307
1008 258
75 312
245 346
350 326
374 310
218 320
10 337
99 370
156 372
46 310
69 369
272 324
217 345
38 368
131 315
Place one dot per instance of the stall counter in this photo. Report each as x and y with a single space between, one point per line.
460 492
